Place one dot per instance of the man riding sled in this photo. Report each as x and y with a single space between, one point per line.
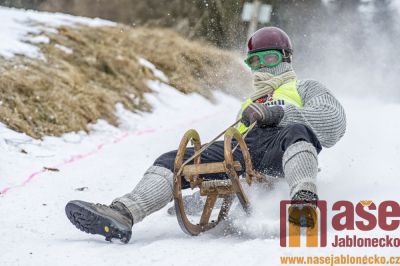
294 120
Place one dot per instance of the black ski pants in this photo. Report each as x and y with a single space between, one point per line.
266 147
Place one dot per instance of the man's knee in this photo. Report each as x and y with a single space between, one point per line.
166 160
297 132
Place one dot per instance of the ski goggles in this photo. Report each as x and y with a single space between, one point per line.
270 58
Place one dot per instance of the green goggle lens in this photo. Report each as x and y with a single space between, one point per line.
265 58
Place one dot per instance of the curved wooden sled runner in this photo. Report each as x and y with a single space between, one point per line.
213 189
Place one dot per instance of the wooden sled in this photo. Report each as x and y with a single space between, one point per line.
212 189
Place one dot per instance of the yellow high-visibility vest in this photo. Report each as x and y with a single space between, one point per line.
287 92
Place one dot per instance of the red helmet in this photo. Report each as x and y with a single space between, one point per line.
269 38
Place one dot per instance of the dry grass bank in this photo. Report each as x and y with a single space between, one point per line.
70 90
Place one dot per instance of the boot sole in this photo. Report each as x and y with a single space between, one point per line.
308 220
90 221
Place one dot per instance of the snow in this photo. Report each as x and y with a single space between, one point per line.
38 39
157 73
64 49
19 28
109 161
112 170
396 4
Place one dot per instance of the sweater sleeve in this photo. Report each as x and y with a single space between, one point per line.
322 112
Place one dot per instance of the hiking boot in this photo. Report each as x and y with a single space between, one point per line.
304 214
113 221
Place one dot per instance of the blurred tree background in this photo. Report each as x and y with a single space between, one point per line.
353 37
219 21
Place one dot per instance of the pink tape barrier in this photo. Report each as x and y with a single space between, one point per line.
98 148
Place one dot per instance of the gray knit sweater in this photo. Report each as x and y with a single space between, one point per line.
322 112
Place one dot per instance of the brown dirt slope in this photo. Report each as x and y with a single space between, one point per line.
66 92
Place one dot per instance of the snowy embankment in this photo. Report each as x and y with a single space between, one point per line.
17 28
109 161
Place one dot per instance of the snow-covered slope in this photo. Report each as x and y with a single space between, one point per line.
20 29
110 161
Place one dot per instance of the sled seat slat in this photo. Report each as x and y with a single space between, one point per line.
208 168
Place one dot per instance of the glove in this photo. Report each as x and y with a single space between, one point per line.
264 115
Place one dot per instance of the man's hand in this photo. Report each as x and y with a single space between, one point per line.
262 114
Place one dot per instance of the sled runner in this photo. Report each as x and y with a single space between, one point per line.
212 189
